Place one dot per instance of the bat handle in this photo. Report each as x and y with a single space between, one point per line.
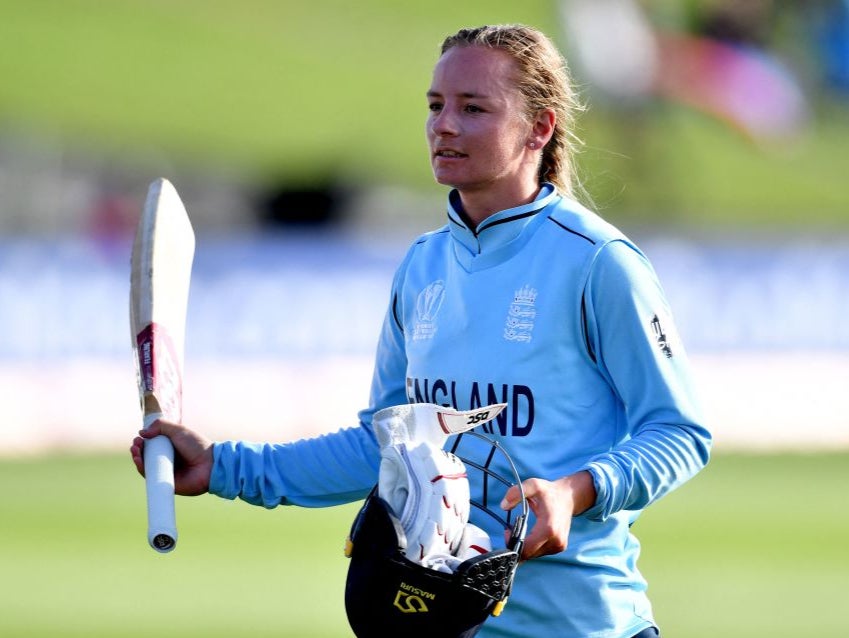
159 480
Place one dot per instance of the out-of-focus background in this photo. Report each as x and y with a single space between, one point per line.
716 136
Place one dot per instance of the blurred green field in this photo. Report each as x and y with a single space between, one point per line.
753 547
303 90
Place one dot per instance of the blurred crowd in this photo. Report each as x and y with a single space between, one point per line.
760 65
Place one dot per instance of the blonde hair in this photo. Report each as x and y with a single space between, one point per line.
545 82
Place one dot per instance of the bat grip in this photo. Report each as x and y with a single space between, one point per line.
159 481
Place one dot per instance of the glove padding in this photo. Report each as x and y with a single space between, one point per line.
427 487
428 490
415 423
474 542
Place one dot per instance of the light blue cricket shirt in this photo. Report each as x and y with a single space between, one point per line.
554 311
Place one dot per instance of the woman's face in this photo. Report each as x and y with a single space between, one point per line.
476 130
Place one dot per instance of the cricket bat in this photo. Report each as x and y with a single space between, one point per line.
161 267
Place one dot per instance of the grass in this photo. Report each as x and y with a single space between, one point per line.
753 547
76 562
277 87
303 90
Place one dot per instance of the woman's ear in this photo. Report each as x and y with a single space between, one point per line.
543 128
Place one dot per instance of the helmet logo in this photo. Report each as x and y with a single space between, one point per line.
412 601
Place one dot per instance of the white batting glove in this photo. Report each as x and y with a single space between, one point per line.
428 490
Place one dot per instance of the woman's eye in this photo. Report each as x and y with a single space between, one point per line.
434 107
473 108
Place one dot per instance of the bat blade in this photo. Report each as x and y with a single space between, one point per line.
161 266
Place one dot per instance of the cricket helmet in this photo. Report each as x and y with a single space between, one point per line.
387 593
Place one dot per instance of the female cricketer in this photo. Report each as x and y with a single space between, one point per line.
524 297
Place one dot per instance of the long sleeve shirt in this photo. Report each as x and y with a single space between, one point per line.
552 310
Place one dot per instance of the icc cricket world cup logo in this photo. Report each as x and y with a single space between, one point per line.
428 304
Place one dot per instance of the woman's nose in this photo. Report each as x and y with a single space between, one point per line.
444 123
